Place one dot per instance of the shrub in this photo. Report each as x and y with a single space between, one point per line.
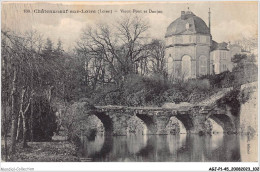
137 91
221 80
175 95
201 85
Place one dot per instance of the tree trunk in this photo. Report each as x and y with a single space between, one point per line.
31 115
31 123
4 105
24 131
25 121
18 135
23 115
14 113
5 132
20 117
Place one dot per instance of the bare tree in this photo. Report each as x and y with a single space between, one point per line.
157 57
248 43
10 51
114 50
27 72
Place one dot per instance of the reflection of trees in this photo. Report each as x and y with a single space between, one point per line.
156 149
179 148
175 143
136 142
228 151
231 147
148 149
199 149
105 150
91 147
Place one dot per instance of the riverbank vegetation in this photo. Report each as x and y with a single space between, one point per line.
44 85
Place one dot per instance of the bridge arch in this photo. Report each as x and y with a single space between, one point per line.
148 121
213 126
175 126
106 121
136 125
186 120
224 121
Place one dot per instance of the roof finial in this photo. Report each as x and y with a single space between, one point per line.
209 21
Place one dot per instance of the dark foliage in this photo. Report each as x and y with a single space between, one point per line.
44 121
232 100
241 74
136 90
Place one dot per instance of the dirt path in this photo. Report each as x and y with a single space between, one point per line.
55 151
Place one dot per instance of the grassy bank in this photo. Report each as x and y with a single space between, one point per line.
58 150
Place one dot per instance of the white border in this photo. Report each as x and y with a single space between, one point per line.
129 166
125 166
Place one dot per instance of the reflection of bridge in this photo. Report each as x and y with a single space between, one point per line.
115 118
177 148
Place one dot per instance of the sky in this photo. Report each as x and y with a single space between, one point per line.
230 21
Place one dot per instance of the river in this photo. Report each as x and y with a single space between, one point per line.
170 148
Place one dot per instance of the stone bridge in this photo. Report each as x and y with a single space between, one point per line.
115 118
192 116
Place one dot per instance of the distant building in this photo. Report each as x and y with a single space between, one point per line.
220 58
190 50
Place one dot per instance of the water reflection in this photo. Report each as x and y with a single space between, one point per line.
135 146
170 148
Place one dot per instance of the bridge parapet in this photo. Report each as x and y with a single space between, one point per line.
212 99
143 110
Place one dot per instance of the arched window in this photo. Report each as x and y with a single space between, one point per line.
202 65
170 64
186 67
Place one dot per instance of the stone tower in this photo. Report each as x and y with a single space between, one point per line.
188 41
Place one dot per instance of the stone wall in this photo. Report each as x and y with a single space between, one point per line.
249 113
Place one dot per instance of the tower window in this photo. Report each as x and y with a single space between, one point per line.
187 26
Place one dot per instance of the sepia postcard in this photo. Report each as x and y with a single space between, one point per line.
114 81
